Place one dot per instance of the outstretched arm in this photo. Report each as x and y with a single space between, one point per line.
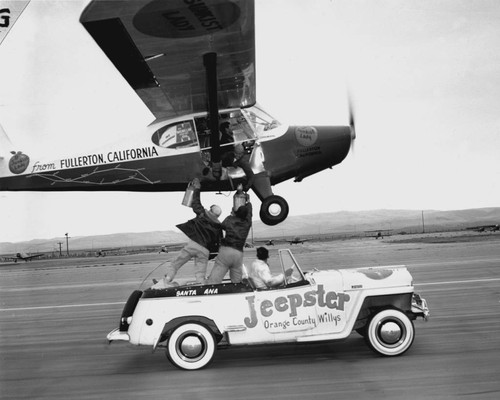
270 280
196 204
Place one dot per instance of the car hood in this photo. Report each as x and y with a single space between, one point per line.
366 278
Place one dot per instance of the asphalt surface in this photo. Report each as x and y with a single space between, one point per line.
54 317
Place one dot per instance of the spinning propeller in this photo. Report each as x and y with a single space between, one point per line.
352 124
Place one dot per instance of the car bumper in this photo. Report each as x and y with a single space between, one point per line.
419 307
116 334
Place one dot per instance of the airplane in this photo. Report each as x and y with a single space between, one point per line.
163 249
297 240
23 256
193 65
379 233
485 228
294 240
171 247
105 252
269 242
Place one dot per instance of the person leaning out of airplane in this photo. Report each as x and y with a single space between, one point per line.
239 157
204 233
259 273
226 134
230 257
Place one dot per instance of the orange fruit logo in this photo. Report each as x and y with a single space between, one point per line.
18 162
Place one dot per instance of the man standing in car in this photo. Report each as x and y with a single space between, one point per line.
230 256
204 233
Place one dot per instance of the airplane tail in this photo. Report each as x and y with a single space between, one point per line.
5 143
10 11
9 14
6 149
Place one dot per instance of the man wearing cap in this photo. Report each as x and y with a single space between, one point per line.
204 233
230 257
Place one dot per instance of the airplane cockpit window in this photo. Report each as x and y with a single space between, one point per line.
260 119
238 126
175 136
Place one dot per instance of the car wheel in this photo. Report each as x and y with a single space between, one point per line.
191 346
390 332
273 210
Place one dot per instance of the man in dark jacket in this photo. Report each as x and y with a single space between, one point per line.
230 256
204 233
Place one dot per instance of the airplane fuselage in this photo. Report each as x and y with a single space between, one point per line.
140 164
170 153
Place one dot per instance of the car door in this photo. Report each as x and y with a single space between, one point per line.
280 314
331 301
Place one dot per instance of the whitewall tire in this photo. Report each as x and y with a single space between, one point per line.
390 332
191 346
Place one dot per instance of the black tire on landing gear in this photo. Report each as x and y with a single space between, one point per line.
274 209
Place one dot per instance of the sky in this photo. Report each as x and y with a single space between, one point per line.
423 77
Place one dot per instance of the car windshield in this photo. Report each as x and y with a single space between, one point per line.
290 266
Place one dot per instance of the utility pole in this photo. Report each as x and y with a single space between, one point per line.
423 225
60 248
67 245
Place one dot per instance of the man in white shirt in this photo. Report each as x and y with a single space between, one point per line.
260 274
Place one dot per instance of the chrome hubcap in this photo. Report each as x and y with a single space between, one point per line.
390 332
191 347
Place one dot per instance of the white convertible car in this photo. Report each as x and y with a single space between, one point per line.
191 321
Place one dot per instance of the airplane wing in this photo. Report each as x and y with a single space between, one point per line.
158 47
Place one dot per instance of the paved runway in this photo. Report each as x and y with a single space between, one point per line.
54 317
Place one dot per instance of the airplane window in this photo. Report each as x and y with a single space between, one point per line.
174 136
239 127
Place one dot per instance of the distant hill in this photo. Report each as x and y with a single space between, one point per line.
95 243
409 221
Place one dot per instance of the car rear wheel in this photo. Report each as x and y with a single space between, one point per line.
390 332
191 346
